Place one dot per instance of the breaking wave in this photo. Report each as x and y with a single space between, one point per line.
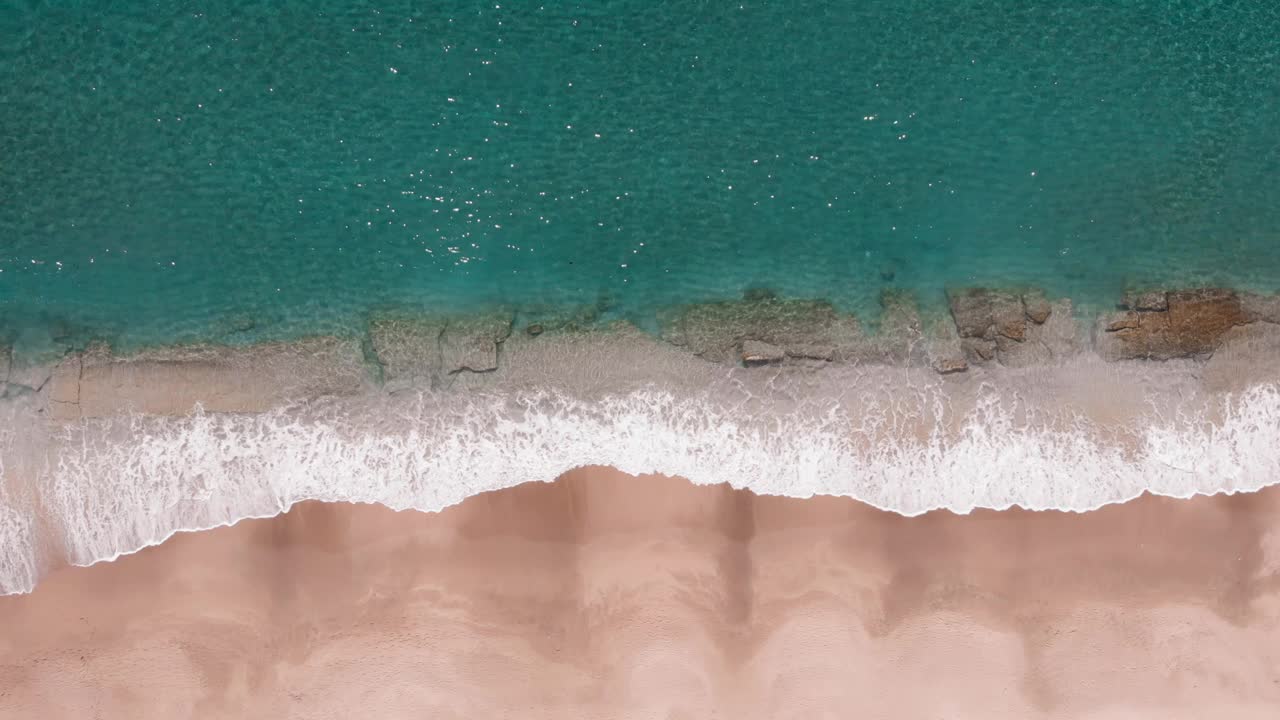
112 487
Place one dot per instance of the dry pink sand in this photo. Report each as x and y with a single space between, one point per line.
607 596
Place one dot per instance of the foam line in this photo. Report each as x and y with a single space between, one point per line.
120 485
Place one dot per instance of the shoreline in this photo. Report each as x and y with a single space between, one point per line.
105 455
605 590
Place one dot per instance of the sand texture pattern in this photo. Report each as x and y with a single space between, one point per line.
606 596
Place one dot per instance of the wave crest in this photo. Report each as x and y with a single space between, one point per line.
115 486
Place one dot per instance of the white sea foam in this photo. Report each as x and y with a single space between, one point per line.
115 486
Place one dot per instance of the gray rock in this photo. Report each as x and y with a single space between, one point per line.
1148 301
64 389
801 351
30 377
172 381
1261 308
1246 356
1060 332
900 339
756 352
5 363
471 343
1022 353
1044 343
407 347
424 349
716 331
978 350
985 313
555 318
943 349
1036 306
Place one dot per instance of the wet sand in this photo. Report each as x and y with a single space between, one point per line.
607 596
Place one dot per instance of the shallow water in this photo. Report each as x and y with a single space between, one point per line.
179 173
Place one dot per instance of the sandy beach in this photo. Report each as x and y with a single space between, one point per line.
608 596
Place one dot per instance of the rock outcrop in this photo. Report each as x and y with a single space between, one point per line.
803 329
1261 308
1014 329
1247 354
756 352
173 381
943 349
471 343
426 349
901 339
1169 324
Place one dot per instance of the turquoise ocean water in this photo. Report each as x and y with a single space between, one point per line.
181 171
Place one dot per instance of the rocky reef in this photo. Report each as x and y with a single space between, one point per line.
172 381
762 328
981 328
985 326
1163 325
1015 329
413 349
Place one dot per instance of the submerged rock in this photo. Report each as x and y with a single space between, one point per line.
426 348
982 313
5 363
1036 306
471 343
756 352
1148 301
554 318
1191 324
1246 355
1015 329
943 348
759 294
801 328
407 347
1261 308
901 338
172 381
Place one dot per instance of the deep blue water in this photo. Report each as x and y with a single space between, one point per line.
177 170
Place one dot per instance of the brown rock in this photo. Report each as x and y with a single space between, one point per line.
534 330
1199 318
1193 325
985 313
1126 321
